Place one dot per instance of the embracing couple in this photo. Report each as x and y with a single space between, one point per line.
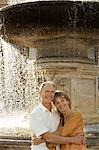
53 124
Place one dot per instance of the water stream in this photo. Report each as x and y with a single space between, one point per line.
17 87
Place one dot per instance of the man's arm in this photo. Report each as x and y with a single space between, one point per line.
50 137
36 125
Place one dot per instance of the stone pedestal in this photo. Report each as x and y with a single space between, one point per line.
71 61
80 83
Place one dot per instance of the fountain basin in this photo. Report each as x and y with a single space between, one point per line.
30 23
14 133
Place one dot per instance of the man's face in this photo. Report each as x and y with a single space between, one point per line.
47 93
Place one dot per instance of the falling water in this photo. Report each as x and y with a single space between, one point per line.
17 86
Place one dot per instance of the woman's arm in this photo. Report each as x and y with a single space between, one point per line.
51 138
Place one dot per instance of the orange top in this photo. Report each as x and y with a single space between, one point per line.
73 126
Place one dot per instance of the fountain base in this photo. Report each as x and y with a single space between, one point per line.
7 143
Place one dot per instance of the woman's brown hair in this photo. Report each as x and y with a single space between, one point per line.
60 93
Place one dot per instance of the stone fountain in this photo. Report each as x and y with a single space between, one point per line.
62 34
62 39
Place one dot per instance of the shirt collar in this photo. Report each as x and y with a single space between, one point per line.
43 108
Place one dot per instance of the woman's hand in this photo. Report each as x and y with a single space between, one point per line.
51 146
80 139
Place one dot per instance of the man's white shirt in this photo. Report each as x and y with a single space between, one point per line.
42 121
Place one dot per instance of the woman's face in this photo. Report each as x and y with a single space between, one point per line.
61 104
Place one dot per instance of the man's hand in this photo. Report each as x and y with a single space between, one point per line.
37 141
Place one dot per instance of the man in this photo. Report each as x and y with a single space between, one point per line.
44 119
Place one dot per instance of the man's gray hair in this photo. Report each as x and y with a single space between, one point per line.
44 83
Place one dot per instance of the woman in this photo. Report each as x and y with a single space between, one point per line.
71 123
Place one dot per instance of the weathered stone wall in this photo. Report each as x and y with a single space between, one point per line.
81 87
72 64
